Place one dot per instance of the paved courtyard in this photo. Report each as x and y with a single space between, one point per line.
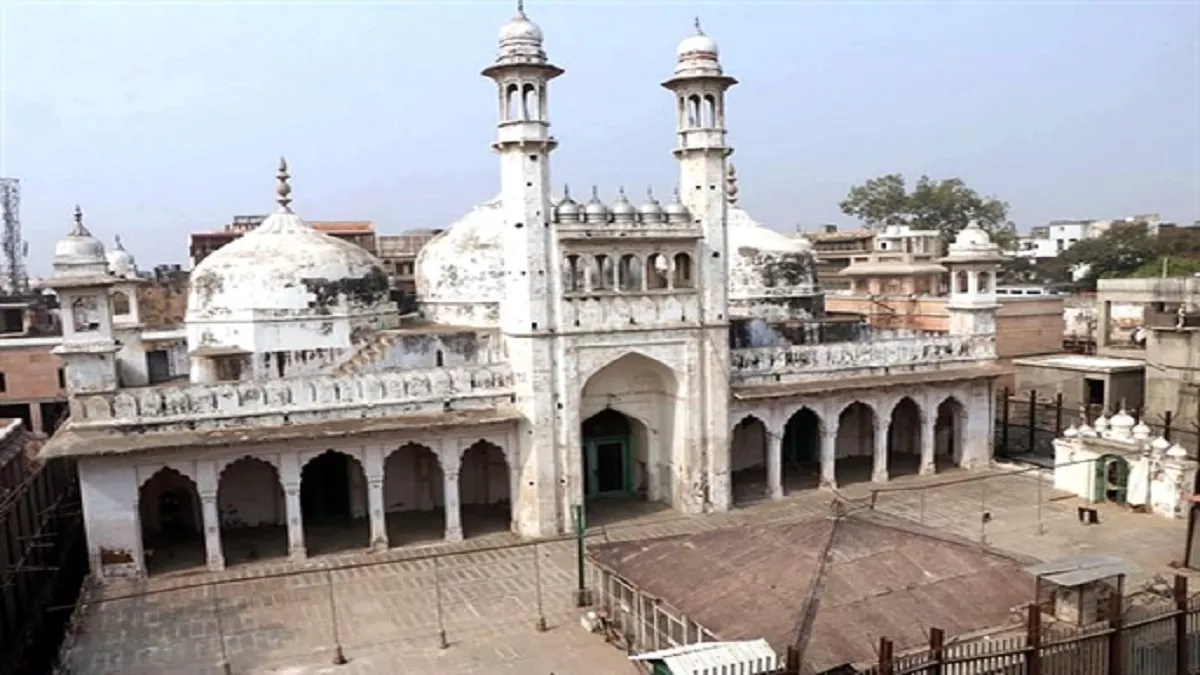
278 617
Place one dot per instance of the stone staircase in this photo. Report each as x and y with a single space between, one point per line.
367 353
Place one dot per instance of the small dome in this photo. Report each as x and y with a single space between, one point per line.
676 210
1177 451
650 209
521 29
120 261
1160 444
567 209
595 209
698 44
972 236
79 253
1122 420
1101 423
1142 431
622 209
1085 430
1070 432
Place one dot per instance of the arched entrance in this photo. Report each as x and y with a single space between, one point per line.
333 501
748 448
855 445
253 511
414 495
801 448
949 435
1112 479
627 437
904 439
485 490
172 523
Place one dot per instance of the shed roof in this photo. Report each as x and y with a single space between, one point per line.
1076 570
831 586
747 657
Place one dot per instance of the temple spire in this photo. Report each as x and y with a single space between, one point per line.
284 190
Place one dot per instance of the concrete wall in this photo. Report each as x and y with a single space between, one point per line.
31 375
1120 388
1173 374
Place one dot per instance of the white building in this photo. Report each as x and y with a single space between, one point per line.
1050 241
565 353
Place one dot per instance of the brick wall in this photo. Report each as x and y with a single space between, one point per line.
30 373
163 303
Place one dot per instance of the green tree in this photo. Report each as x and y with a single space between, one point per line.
1118 252
946 205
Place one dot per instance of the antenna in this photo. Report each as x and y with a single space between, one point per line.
15 276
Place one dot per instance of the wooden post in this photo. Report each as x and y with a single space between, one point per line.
1116 665
886 665
1058 405
1004 419
1033 639
1167 425
937 646
1181 625
1032 420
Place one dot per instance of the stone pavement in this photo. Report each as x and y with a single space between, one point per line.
278 617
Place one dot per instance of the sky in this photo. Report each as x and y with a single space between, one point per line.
163 118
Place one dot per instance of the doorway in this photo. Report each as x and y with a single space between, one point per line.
607 455
325 487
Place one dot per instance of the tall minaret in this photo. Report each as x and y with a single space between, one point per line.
527 311
522 74
699 85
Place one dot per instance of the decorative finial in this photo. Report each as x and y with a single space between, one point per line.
650 192
78 216
521 8
79 230
675 193
696 23
596 192
566 191
621 193
117 243
284 189
731 186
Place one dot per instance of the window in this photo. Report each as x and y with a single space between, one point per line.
3 383
1095 392
62 378
120 303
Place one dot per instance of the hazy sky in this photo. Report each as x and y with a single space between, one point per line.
161 118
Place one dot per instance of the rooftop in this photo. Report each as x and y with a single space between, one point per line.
831 586
1083 363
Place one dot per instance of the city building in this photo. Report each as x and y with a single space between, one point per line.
563 355
834 249
398 253
202 244
1051 240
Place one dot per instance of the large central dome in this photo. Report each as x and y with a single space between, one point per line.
284 272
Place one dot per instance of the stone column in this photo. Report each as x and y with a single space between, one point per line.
378 518
773 447
928 444
297 551
829 457
450 494
1103 321
212 531
879 471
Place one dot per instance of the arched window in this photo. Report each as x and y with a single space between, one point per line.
84 315
629 273
708 112
683 276
693 111
657 269
983 283
960 282
604 273
120 303
573 272
510 102
530 107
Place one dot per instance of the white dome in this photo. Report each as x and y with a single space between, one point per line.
79 253
121 262
520 29
761 258
697 44
460 272
972 236
285 287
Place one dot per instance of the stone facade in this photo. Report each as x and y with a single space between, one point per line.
564 354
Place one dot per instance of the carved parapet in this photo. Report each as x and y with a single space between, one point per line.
808 362
200 403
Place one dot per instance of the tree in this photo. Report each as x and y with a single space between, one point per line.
946 205
1118 252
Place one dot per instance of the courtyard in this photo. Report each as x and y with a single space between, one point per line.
477 606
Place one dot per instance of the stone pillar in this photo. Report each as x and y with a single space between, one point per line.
212 531
1103 320
879 470
829 457
928 444
773 444
373 468
450 494
297 551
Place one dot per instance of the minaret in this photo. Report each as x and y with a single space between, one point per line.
527 311
522 74
699 85
973 260
83 285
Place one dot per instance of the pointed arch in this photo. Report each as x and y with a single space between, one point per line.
904 437
800 449
949 432
333 501
854 448
485 489
414 494
749 446
253 510
171 519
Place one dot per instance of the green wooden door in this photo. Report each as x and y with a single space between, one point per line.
608 466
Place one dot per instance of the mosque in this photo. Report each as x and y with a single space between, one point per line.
565 353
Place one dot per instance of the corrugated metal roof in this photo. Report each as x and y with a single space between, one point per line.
745 657
1076 570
